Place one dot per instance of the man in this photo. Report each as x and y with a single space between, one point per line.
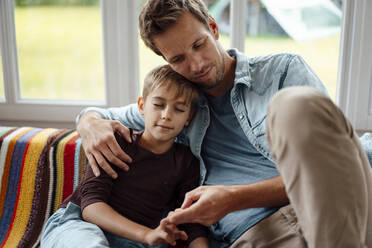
320 167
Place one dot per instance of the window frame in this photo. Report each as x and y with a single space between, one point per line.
119 18
354 81
238 12
354 85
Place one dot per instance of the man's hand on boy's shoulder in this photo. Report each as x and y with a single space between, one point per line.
100 145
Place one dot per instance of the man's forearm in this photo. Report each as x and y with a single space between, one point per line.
85 120
270 192
208 204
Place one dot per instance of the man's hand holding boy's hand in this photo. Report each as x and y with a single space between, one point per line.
164 233
204 205
100 145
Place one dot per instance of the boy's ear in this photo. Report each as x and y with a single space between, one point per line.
191 115
141 105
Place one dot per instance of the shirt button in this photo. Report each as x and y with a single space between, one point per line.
241 116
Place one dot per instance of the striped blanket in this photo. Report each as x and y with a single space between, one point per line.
39 168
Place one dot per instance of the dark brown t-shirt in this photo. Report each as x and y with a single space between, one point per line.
153 183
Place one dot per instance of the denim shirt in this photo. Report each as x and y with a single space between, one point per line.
256 81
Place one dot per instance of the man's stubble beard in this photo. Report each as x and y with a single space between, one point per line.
219 77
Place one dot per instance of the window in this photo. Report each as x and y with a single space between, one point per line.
105 49
59 48
61 56
308 28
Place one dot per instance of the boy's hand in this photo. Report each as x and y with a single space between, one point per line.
100 145
164 233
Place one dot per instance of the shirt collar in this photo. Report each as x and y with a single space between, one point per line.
243 67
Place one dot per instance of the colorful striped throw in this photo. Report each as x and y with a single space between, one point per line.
39 168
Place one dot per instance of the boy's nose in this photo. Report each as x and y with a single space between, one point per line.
166 114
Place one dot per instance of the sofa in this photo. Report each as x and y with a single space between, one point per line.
39 168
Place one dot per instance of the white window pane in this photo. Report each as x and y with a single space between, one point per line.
59 46
310 28
147 58
147 61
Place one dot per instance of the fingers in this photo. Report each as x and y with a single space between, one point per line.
191 197
123 130
180 235
168 238
115 154
105 166
183 216
173 233
93 164
102 148
158 237
112 156
166 235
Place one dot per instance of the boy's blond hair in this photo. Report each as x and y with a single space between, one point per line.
159 15
165 76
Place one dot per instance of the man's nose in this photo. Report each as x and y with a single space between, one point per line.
196 63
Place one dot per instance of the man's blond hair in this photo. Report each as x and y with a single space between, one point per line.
159 15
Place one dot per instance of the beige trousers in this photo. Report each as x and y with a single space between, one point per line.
326 174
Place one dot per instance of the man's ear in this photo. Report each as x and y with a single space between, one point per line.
141 105
213 27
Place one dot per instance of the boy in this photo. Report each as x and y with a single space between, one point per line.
130 208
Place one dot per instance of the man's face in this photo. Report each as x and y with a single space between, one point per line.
192 50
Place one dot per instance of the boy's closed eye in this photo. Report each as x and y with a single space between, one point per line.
180 110
158 105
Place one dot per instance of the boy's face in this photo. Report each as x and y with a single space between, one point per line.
192 50
165 114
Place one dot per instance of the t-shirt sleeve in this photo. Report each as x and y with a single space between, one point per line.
98 189
95 189
190 181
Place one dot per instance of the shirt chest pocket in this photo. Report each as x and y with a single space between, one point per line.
259 128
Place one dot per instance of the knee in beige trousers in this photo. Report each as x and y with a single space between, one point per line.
325 171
